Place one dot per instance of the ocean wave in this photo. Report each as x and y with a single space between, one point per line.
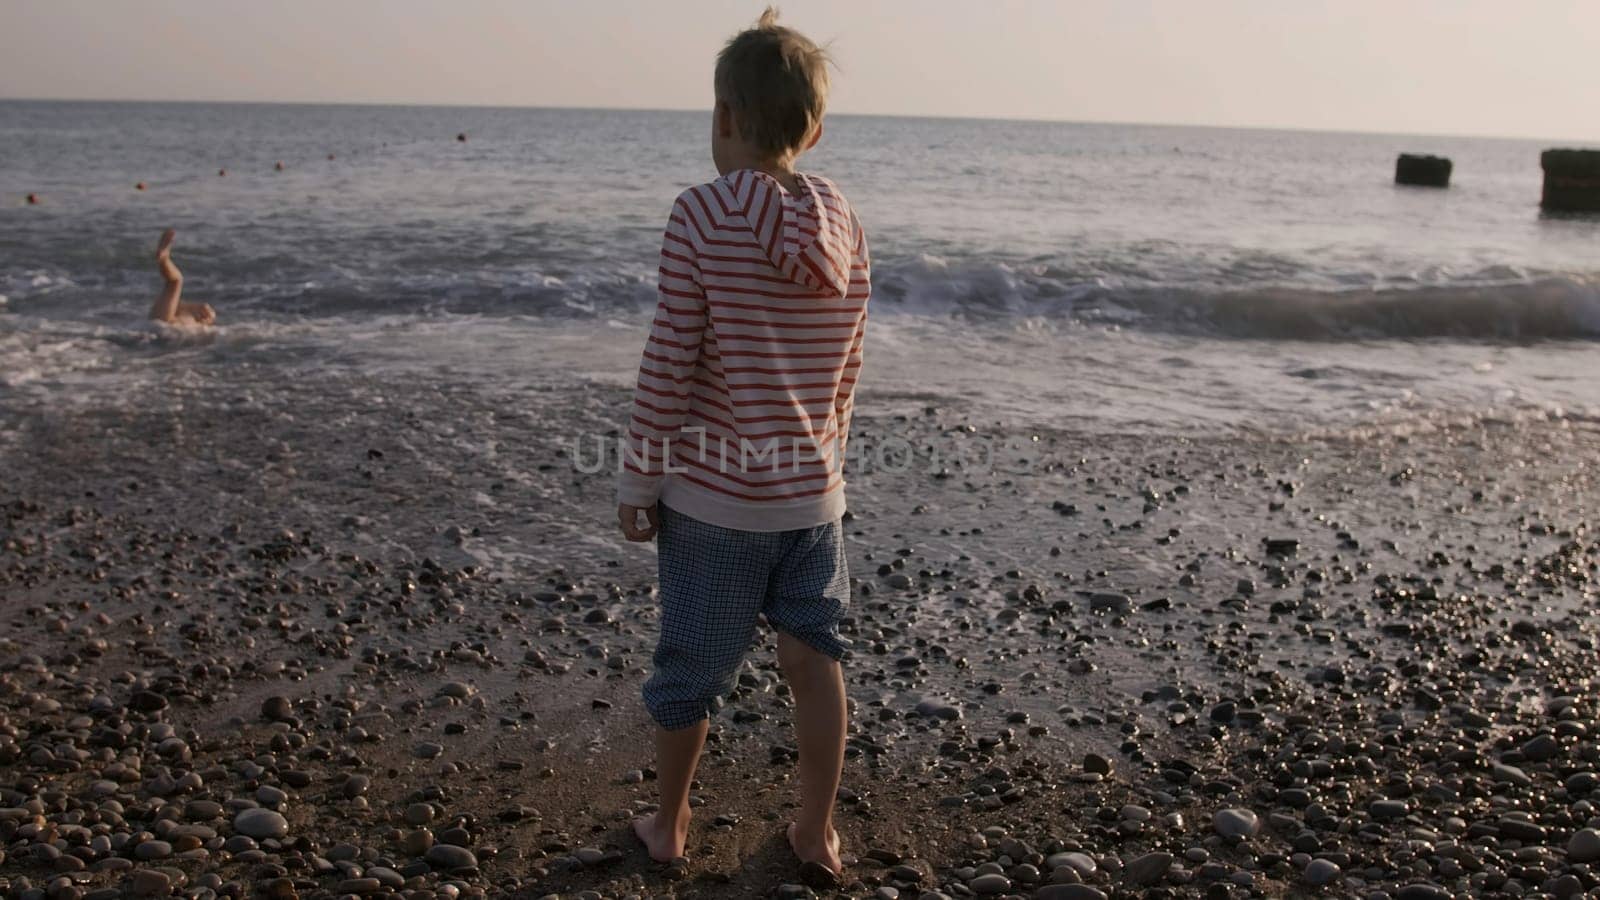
1494 304
1497 303
1549 309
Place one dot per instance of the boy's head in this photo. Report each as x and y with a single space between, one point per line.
772 88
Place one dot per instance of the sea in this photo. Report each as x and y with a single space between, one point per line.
1100 277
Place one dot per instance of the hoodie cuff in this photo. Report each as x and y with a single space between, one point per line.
638 490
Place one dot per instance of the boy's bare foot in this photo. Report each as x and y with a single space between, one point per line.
816 852
665 844
164 249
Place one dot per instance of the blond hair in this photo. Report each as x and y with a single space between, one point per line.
775 81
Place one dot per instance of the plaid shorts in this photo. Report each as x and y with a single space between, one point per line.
715 583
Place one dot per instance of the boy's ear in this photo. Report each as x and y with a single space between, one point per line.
724 117
815 136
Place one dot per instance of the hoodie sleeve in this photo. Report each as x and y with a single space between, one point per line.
844 402
671 355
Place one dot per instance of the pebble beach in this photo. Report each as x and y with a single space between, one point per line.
299 642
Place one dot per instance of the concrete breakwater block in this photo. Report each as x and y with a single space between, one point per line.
1423 171
1571 180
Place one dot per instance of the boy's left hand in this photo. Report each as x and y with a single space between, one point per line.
628 518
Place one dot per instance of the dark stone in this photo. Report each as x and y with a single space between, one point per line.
1518 830
1147 869
1422 892
276 709
147 701
1388 809
1571 180
450 858
1541 748
1282 546
1422 171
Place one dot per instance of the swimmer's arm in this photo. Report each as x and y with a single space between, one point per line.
201 313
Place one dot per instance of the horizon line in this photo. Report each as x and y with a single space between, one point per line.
848 114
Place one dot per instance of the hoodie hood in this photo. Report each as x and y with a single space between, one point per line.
809 236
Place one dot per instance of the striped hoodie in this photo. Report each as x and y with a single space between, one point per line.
743 403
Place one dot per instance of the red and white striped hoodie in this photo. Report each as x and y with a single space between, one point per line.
743 402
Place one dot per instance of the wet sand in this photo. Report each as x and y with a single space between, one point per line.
396 615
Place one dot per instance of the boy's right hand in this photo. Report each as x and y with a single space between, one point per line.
628 518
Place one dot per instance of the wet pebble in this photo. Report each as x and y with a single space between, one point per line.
261 823
276 709
1069 892
450 857
1584 846
1148 868
990 884
149 883
1236 823
1082 863
1320 872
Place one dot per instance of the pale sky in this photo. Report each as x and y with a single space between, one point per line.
1475 67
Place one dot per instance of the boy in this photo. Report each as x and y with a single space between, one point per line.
738 429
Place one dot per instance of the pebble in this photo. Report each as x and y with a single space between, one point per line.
1422 892
1082 863
1584 846
1320 872
1069 892
261 823
417 842
1389 809
450 857
1516 776
150 850
990 884
149 883
1541 748
939 709
419 814
1110 601
1519 830
1236 823
276 709
1148 868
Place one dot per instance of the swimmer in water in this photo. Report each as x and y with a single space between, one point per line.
167 308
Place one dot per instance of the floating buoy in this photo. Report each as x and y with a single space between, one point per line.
278 166
1571 180
221 172
1422 171
462 137
33 199
139 186
330 156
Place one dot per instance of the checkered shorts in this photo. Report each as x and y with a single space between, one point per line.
715 583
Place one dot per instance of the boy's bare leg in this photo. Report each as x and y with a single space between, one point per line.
165 308
677 754
820 720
